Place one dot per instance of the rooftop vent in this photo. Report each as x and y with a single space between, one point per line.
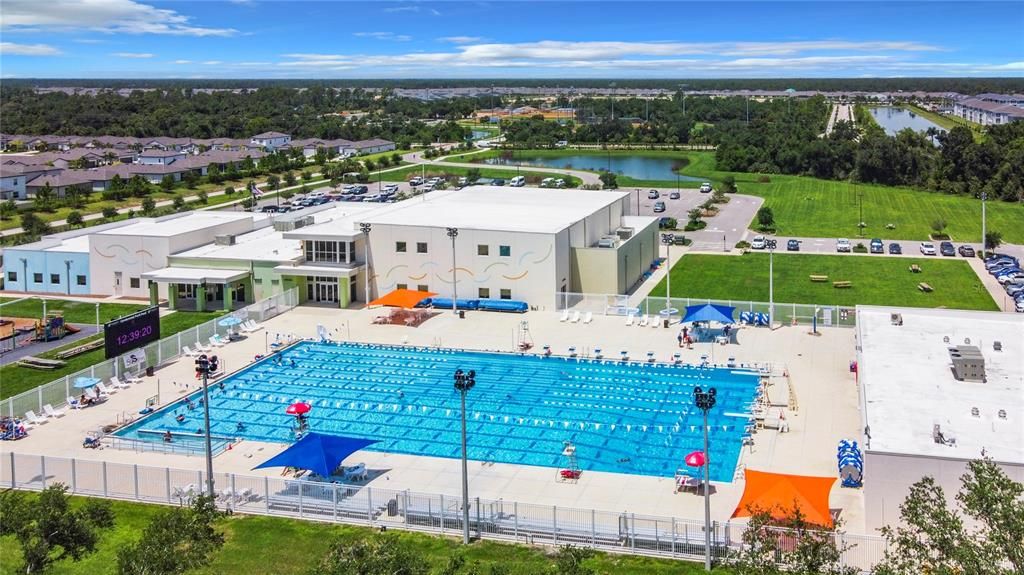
224 240
624 233
1002 414
968 363
288 224
608 242
975 412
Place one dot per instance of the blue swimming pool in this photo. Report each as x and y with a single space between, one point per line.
623 418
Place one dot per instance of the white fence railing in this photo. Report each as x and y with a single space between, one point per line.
785 313
157 353
364 505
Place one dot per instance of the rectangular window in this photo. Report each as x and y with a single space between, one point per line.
402 286
505 251
12 276
506 294
421 247
422 287
483 293
351 252
134 283
80 280
55 279
37 278
400 247
483 250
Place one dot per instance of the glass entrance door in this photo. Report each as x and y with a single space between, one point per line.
322 289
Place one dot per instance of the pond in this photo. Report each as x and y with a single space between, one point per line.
636 167
480 134
893 120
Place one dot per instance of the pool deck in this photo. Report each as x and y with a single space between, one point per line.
826 392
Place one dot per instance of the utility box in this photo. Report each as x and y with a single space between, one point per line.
968 363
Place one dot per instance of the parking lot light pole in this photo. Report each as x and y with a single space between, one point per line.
206 365
668 239
453 233
464 381
771 245
365 228
984 242
705 401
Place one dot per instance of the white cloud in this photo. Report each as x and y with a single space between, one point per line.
108 16
182 62
212 63
12 49
408 8
384 36
132 55
460 39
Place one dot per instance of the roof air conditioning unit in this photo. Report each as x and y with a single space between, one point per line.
224 240
968 363
624 233
608 242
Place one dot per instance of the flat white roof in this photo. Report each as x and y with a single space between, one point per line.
194 275
908 386
535 210
78 244
264 244
341 220
180 225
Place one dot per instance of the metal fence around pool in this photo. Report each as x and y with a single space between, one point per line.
620 532
157 353
785 313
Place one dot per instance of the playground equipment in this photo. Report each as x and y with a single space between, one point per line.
53 327
851 464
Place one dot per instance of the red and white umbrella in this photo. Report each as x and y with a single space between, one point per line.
299 408
696 459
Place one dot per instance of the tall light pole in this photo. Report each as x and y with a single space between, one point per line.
67 269
464 381
667 239
204 367
771 283
365 228
704 402
453 233
984 243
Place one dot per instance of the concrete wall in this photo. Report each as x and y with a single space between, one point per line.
614 271
888 477
46 263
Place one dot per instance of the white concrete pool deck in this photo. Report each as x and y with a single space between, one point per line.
818 366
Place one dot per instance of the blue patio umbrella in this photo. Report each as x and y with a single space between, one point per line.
85 382
317 452
229 321
709 312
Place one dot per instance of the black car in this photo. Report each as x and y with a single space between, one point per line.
895 249
793 245
966 251
946 249
877 247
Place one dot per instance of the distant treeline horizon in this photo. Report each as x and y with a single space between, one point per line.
925 84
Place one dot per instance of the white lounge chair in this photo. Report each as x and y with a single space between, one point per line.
116 383
629 319
74 403
251 325
202 348
104 390
31 417
588 317
215 341
130 378
49 411
355 473
655 321
643 321
188 351
565 316
575 317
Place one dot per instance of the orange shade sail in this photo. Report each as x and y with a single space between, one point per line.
778 493
403 298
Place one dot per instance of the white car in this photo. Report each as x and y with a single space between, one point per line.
758 243
705 188
391 188
843 245
928 248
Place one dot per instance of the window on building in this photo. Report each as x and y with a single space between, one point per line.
187 291
422 287
483 293
483 250
421 247
55 279
401 286
80 280
400 247
12 276
506 294
37 278
134 283
505 251
351 252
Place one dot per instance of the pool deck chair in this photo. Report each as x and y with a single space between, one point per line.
116 383
34 419
588 317
74 403
49 411
189 352
104 390
565 316
629 319
575 317
643 321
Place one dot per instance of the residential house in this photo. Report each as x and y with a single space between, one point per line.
271 140
159 156
987 113
59 182
14 179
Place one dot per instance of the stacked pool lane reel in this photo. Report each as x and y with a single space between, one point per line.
851 464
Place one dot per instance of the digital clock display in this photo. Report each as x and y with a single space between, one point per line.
131 331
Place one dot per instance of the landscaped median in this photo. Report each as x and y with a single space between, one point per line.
874 280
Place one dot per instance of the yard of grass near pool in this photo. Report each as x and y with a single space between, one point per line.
877 280
292 546
15 379
74 311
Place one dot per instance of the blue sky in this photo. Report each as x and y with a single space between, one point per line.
403 39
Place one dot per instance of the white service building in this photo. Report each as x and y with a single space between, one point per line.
930 403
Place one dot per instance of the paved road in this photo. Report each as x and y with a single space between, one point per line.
840 112
85 330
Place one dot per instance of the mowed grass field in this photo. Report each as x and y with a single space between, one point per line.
877 280
74 311
291 546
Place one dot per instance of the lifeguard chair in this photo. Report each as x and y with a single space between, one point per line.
571 472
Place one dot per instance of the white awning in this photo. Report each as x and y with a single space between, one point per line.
345 271
177 275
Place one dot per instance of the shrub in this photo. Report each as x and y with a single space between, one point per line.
860 248
148 205
668 223
693 226
202 197
742 245
178 203
763 179
109 212
75 219
229 191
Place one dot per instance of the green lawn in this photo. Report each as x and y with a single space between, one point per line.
74 311
15 379
948 122
877 280
290 546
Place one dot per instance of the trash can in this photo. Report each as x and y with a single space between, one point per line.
149 371
392 507
665 323
462 314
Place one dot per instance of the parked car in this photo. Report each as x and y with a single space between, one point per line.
498 182
895 249
947 249
999 262
1001 266
793 246
653 195
415 181
966 251
659 207
673 196
559 183
843 245
758 243
269 209
391 188
1019 306
705 188
928 248
877 247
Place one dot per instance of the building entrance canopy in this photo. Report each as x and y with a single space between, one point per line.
174 275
